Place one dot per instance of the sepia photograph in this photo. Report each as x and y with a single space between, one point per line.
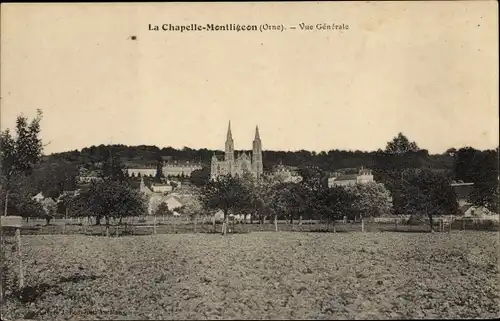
249 160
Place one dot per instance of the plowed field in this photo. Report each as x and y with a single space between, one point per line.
264 275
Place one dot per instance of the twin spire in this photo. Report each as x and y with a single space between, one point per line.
230 135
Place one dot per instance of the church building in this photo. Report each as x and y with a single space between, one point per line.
231 165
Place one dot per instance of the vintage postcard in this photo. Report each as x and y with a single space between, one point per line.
256 160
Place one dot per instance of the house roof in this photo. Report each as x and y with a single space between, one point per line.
38 195
465 208
347 177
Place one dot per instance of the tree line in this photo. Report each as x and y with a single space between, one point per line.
415 181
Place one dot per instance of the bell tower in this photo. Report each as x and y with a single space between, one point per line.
229 151
257 165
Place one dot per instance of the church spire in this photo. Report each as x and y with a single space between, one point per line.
257 136
257 154
229 135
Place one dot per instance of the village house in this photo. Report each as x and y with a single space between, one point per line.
156 194
144 171
339 179
86 176
178 168
286 174
169 168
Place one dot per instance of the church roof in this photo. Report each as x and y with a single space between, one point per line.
243 155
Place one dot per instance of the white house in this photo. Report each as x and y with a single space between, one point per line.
338 179
38 197
161 188
173 202
470 210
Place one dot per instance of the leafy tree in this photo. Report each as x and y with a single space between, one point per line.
314 182
428 193
288 199
20 154
163 210
21 204
193 209
226 193
159 171
52 178
64 204
334 202
313 178
480 168
401 145
200 177
109 199
370 199
400 154
49 208
112 168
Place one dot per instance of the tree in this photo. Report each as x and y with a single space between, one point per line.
400 154
159 171
64 204
480 168
370 199
200 177
21 204
109 199
49 208
52 178
226 193
401 145
428 193
112 168
193 208
288 199
20 154
334 202
314 182
163 210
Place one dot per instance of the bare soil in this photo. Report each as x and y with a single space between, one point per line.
263 275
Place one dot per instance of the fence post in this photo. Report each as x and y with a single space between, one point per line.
362 225
19 253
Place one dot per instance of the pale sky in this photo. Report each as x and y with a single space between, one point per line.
427 69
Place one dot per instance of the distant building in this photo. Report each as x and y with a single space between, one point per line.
68 193
156 194
177 168
168 169
146 171
363 176
173 202
242 163
161 187
38 197
86 176
48 204
285 174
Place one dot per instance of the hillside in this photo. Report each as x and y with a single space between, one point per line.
329 161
